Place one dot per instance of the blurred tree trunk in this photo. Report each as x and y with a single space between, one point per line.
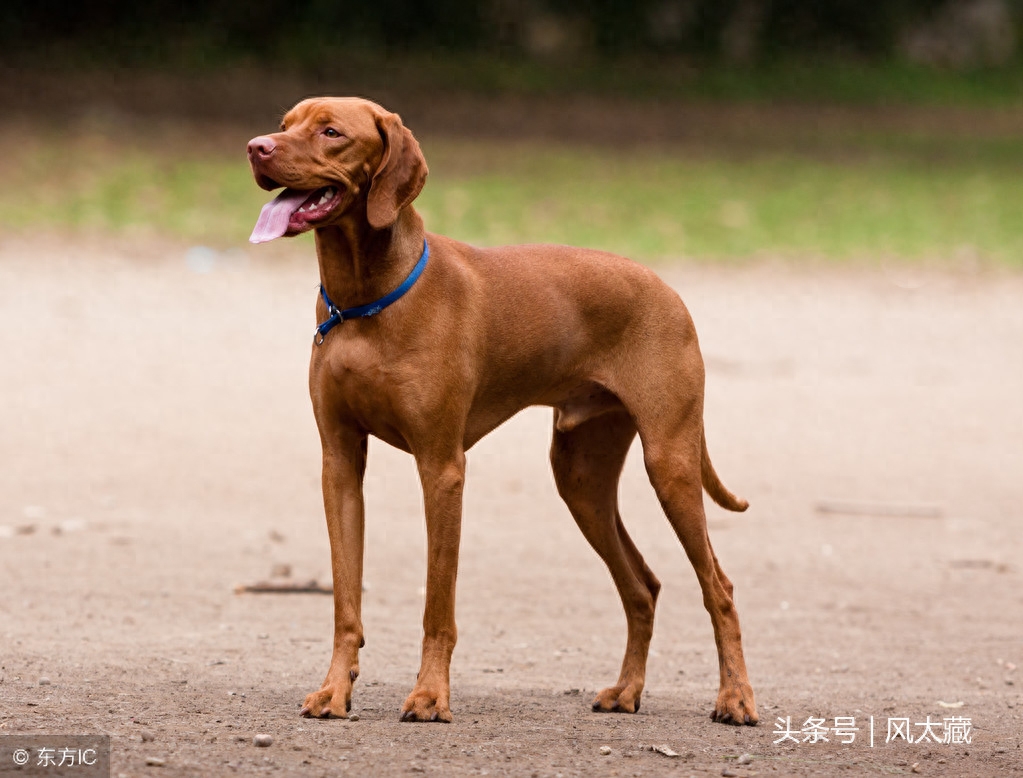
742 35
976 33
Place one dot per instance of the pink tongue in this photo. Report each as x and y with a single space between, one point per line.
273 219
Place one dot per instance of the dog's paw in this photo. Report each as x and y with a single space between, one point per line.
736 705
422 705
333 701
618 699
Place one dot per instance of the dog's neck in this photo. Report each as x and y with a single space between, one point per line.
359 264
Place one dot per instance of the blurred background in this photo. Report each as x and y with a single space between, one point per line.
662 129
835 188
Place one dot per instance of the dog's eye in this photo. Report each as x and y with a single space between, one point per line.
330 132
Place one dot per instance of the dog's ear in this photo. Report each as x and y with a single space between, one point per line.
401 175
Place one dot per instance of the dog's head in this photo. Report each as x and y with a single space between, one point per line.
335 157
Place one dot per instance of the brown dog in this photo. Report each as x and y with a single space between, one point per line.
480 335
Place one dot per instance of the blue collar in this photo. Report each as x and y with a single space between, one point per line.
370 309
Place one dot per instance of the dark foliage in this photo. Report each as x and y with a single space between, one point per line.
746 30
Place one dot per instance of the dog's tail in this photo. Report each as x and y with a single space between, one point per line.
717 490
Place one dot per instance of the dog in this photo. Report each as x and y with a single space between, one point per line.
428 344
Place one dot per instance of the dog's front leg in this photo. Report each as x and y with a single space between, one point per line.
344 464
442 479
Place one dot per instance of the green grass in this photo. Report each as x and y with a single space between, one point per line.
798 78
894 197
652 207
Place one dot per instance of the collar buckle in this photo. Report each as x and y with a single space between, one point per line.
337 316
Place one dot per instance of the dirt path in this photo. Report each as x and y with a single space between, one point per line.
157 448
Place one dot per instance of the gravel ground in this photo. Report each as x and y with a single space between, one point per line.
158 448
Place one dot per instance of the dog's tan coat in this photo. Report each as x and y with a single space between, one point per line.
483 334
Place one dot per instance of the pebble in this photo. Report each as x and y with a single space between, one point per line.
728 773
744 759
44 681
262 741
147 736
155 761
353 716
665 750
70 525
201 259
605 750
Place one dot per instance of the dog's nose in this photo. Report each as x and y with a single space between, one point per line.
261 147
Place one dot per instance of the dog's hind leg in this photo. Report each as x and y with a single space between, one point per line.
587 460
672 453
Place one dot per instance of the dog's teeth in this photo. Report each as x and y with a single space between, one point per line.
323 200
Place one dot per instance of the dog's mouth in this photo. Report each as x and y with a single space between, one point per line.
294 211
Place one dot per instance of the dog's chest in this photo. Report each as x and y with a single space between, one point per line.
368 381
351 365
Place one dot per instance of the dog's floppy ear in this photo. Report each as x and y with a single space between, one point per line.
401 175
